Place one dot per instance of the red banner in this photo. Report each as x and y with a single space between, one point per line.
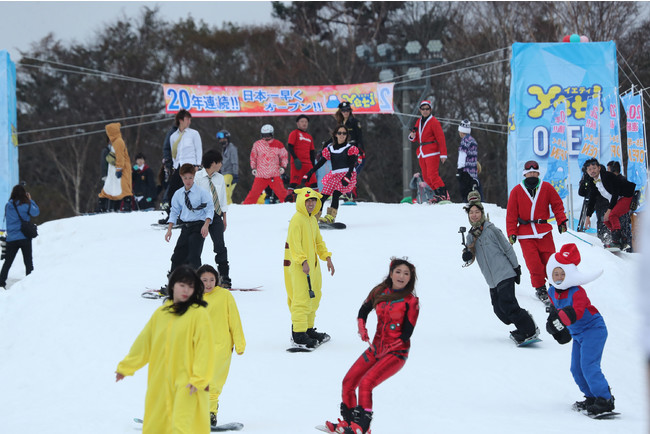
224 101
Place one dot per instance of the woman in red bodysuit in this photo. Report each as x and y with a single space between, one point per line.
397 309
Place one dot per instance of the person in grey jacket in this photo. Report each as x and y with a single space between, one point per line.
498 263
230 168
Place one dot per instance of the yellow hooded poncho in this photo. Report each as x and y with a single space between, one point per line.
179 351
304 243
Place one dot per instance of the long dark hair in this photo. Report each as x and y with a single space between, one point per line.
376 295
19 193
334 137
185 274
207 268
339 116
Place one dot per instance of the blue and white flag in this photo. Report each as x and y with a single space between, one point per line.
590 132
557 168
610 131
636 151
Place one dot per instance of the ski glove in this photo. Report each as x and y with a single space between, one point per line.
297 163
235 179
118 173
459 172
562 227
363 331
345 181
568 315
512 239
553 324
467 255
518 276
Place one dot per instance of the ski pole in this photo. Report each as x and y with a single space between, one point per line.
584 241
311 293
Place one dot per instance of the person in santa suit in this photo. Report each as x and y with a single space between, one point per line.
428 133
573 310
527 221
302 151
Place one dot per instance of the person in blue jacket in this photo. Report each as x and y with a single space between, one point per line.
21 202
574 310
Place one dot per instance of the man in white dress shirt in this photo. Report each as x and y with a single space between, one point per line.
213 182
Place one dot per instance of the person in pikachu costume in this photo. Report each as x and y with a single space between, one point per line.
302 273
178 343
121 166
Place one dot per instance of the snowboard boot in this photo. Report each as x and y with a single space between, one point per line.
341 424
360 421
330 216
302 340
582 405
291 197
518 337
601 405
616 239
224 270
320 337
542 295
213 419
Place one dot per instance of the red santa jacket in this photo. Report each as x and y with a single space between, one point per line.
522 206
429 135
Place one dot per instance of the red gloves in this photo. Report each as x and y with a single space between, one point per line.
363 331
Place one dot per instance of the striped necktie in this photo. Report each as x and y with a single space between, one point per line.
188 204
215 197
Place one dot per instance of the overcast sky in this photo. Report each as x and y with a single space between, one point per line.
25 22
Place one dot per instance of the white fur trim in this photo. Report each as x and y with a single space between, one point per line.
573 276
464 130
529 171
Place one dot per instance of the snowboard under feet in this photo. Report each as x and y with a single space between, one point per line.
322 428
233 426
606 415
529 341
334 225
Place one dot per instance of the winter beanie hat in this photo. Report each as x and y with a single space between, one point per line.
474 199
530 166
465 126
568 259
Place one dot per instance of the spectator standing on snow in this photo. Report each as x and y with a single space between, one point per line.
20 206
268 160
144 184
117 187
230 168
397 309
467 171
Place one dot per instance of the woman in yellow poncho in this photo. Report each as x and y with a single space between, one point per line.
178 343
227 330
302 275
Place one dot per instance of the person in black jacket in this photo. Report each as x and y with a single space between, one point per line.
600 206
617 190
144 183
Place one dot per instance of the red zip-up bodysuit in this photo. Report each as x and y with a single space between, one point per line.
388 352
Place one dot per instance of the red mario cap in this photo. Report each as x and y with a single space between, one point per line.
568 254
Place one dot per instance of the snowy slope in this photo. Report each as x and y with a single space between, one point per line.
64 328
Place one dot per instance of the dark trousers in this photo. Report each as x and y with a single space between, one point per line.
507 308
10 254
175 182
220 250
189 246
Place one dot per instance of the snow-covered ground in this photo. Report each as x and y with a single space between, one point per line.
64 328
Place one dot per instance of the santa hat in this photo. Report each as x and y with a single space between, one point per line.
465 126
425 102
568 259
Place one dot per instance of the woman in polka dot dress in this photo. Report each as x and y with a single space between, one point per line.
342 178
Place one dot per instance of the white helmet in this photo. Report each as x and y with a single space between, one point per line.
267 129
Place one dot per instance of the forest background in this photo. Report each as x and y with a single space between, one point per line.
308 43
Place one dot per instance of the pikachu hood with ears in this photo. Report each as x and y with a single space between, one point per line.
302 194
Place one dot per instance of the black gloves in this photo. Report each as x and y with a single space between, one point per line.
518 276
345 181
459 172
297 163
556 328
118 174
467 255
512 239
562 227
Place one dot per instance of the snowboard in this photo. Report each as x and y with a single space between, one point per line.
604 416
233 426
529 341
322 428
159 226
154 294
328 226
300 350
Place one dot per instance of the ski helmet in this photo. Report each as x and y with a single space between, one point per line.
267 129
223 134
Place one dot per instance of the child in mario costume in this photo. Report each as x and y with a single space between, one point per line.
573 310
302 275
